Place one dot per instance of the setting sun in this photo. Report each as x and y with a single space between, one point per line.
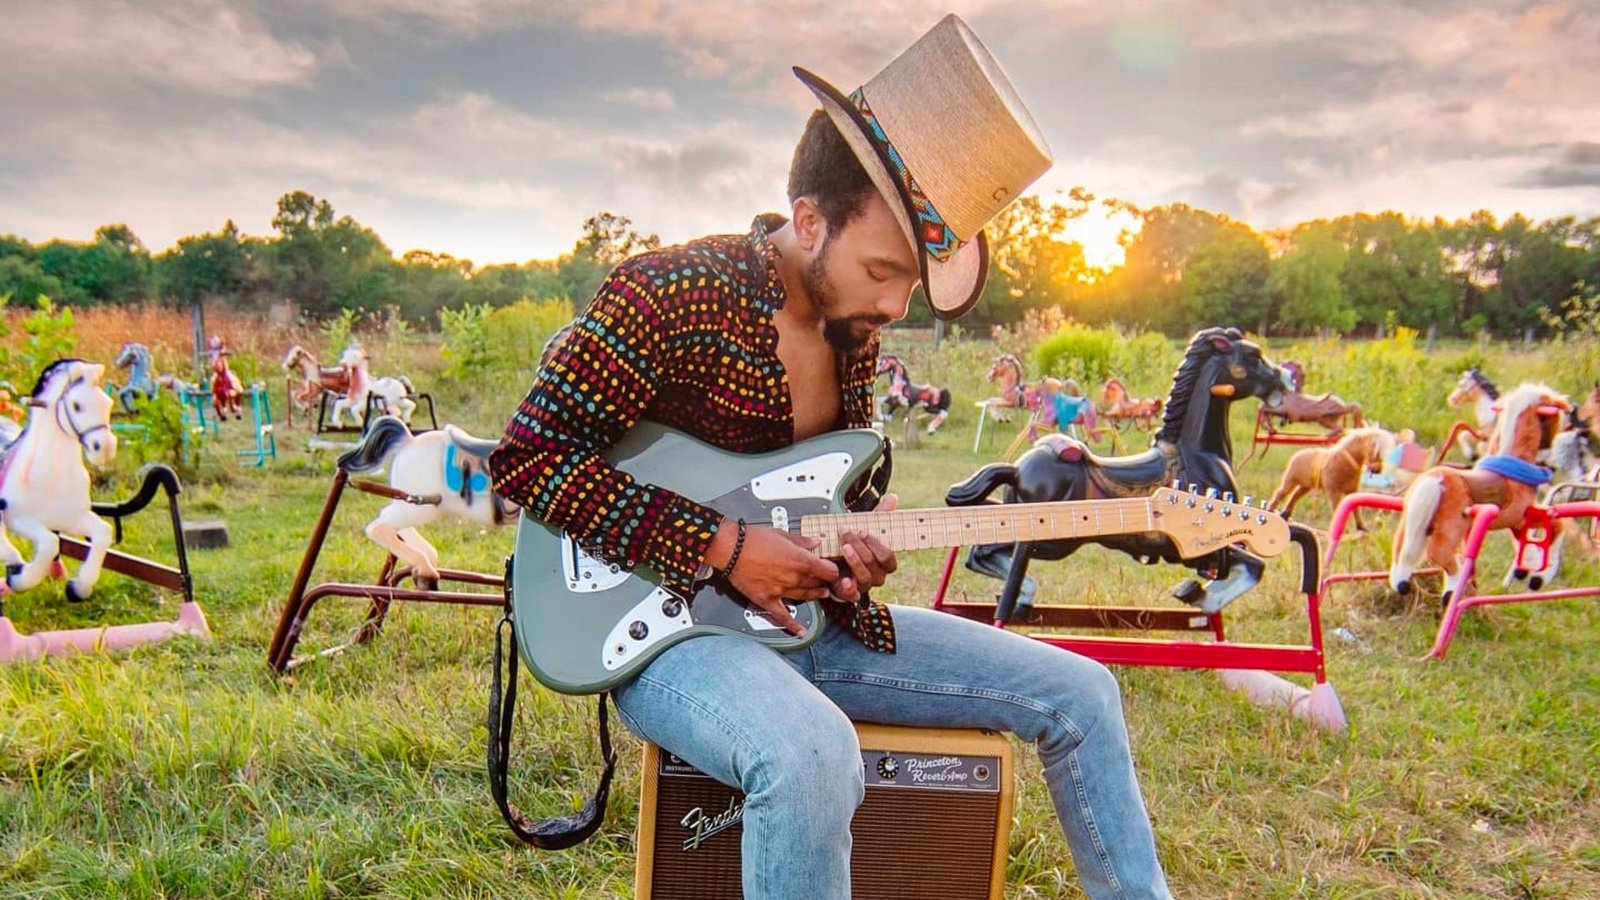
1099 231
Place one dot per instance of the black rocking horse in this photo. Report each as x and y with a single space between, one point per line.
1192 447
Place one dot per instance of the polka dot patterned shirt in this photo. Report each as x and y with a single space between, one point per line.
683 336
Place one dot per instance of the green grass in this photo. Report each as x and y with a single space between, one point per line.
189 770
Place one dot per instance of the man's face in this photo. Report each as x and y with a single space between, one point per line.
862 276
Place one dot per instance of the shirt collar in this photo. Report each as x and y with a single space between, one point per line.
768 255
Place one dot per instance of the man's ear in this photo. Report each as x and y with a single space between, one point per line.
810 228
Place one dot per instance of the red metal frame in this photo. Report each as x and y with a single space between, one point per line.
1265 435
1541 519
1217 653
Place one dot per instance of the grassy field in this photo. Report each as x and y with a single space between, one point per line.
189 770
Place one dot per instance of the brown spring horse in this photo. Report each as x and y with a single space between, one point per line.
1335 471
1434 521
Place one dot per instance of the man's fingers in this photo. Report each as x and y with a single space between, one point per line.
857 562
889 503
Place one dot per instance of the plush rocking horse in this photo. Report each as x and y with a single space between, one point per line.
1434 521
911 397
1335 471
1193 447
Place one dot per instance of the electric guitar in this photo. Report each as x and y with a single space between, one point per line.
585 625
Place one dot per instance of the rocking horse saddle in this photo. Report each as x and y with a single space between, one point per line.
1116 476
472 446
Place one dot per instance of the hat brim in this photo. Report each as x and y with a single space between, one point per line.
952 286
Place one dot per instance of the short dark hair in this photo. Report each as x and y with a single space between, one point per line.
826 170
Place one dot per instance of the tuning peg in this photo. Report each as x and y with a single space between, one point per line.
1177 484
1211 493
1264 502
1194 488
1249 500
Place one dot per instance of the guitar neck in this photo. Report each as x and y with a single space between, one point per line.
926 529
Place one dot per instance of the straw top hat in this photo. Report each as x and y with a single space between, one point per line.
947 141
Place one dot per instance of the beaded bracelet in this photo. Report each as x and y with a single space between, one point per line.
733 558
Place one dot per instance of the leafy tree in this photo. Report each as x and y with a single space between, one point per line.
1030 266
327 264
1305 281
207 265
1225 280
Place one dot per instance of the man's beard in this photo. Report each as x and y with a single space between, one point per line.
846 334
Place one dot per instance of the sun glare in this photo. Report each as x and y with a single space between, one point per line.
1099 231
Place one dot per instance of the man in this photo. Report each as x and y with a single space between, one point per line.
754 342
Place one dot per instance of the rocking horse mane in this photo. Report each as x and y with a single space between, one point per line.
1516 403
1195 356
49 374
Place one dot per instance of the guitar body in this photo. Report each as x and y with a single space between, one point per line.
585 626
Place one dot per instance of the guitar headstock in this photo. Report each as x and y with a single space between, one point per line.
1199 523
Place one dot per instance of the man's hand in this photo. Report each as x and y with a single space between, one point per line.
774 565
867 562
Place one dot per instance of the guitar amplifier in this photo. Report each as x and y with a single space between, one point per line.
934 823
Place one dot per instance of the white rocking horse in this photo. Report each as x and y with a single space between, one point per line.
394 392
44 486
438 473
44 492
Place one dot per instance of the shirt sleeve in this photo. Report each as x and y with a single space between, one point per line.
594 388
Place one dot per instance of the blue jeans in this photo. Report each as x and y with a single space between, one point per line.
777 726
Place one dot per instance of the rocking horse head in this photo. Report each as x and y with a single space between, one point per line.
1297 374
1006 366
1219 366
134 356
1530 418
891 365
1472 383
70 399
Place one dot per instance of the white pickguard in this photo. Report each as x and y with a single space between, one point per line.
621 646
814 477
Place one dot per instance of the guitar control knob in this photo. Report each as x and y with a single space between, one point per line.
672 607
638 630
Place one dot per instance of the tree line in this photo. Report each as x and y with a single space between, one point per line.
1185 268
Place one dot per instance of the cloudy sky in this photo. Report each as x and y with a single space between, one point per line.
490 129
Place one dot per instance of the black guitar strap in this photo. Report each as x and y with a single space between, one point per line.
560 832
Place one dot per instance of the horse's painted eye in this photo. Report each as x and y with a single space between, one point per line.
76 406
